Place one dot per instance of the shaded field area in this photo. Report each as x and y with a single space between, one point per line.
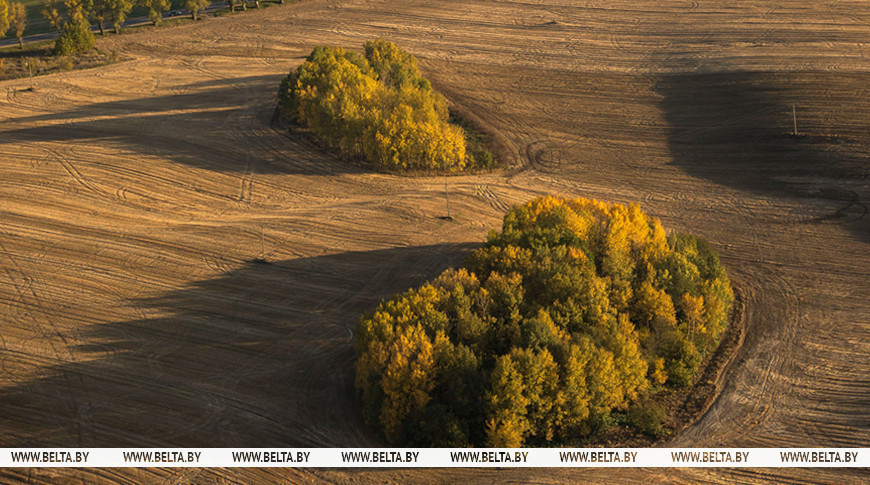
136 196
261 330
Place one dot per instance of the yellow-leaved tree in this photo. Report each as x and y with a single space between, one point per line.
377 107
575 311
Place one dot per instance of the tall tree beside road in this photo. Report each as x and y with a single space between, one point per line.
194 6
4 16
74 28
51 11
117 12
18 21
100 12
155 9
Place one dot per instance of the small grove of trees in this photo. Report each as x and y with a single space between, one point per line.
71 19
376 106
13 18
575 310
18 21
4 16
117 11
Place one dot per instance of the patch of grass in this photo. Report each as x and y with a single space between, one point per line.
38 59
167 22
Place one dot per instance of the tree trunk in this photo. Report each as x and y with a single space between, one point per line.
21 42
257 3
100 23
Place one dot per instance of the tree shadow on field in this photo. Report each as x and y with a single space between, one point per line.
222 125
736 129
259 357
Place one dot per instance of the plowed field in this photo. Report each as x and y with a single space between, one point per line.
136 196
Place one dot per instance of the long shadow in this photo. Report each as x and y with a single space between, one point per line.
261 356
737 129
205 125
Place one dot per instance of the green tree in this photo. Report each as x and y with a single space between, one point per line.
156 9
76 37
117 11
4 17
507 425
394 66
18 21
51 10
576 393
376 107
194 6
71 22
575 310
77 10
407 382
100 13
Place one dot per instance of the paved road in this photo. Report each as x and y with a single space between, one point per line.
132 22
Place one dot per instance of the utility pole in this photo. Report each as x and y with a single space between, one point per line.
794 117
447 198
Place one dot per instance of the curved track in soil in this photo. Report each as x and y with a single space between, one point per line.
135 197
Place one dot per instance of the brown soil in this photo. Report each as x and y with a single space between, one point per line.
135 196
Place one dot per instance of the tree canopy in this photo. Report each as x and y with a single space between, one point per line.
194 6
155 9
18 21
377 107
575 310
4 17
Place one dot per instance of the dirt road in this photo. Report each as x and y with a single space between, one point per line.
135 197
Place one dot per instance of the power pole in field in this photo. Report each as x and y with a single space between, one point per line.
447 198
794 118
263 242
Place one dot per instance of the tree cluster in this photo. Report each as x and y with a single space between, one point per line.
13 20
575 310
72 18
377 107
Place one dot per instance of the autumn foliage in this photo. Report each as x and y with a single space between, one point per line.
376 107
576 310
